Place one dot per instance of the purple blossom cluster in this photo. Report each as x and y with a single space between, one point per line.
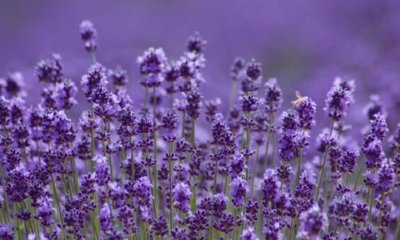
124 170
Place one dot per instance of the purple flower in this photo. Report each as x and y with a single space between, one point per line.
237 68
152 61
198 223
369 232
290 138
289 121
105 217
182 196
17 110
305 109
249 234
169 121
394 139
196 44
306 185
339 98
270 186
14 84
4 111
50 71
211 109
347 161
360 212
179 234
95 77
288 145
370 179
17 185
194 104
219 204
171 74
312 222
252 75
283 173
44 213
189 66
226 223
378 126
342 207
103 175
273 96
65 95
119 77
375 106
6 233
237 165
88 35
249 103
396 164
239 189
74 216
88 184
373 151
386 179
160 226
253 70
144 125
324 140
251 212
127 217
142 190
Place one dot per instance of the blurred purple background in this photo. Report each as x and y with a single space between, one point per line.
304 44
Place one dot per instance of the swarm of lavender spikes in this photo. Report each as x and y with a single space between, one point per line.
122 172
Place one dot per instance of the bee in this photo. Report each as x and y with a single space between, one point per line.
300 99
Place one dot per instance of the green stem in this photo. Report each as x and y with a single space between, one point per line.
75 175
155 170
360 170
94 58
300 158
192 132
321 176
254 174
183 124
214 192
146 98
18 233
57 203
132 166
92 146
233 93
110 157
370 203
265 162
96 227
294 227
397 231
171 207
193 204
192 142
269 136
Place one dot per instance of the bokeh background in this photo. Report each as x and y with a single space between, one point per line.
304 44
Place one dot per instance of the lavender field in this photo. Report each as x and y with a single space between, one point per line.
192 120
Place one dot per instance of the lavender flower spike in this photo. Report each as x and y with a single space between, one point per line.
305 109
88 35
239 189
182 196
339 98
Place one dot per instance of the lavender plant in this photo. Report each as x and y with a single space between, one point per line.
129 171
